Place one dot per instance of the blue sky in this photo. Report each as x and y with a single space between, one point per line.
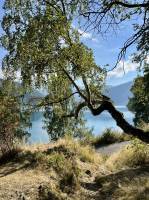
105 51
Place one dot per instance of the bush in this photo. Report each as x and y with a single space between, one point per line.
109 137
70 182
84 152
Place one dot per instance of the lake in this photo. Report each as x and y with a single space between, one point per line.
98 123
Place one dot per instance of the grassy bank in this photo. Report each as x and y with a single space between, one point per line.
70 170
129 174
60 167
109 136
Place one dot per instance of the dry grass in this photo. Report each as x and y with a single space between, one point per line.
136 189
130 184
109 137
66 170
64 163
129 176
135 154
84 152
69 147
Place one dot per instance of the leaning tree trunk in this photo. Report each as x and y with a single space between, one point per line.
121 122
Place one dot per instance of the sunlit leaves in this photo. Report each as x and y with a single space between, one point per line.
139 102
13 117
46 50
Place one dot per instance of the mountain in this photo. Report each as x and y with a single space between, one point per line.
34 97
30 97
120 93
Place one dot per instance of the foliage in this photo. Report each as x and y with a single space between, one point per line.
144 126
13 117
44 47
58 126
138 104
110 136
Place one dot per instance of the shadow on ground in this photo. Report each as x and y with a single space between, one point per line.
112 186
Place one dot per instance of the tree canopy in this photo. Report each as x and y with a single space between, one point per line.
46 50
138 104
14 117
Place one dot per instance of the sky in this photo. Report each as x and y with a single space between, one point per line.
105 51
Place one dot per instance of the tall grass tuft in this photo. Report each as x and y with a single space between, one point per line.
110 136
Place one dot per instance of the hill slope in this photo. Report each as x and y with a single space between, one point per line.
68 170
120 93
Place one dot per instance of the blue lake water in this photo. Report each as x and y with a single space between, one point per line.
98 123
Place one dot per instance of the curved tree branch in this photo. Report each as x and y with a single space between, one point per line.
107 105
133 5
47 103
121 122
107 7
75 85
77 110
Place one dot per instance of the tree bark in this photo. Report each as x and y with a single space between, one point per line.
121 122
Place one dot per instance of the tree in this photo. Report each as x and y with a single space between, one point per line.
42 44
105 15
139 102
13 118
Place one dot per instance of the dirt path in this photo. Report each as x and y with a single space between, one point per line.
19 181
112 148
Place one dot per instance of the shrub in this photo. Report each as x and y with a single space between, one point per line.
84 152
109 136
69 182
57 161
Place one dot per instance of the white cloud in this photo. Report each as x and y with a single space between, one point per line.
86 35
95 40
1 73
123 68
